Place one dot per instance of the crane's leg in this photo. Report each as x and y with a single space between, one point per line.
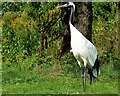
84 79
81 69
82 73
85 63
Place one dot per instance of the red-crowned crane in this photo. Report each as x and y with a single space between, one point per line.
83 50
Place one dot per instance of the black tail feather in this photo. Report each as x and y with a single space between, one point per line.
92 78
95 67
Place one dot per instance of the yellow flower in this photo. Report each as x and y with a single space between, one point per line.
13 25
24 15
102 33
25 51
101 28
17 56
4 39
33 23
3 22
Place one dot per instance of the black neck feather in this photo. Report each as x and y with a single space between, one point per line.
71 16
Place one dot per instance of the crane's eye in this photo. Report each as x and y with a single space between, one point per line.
68 3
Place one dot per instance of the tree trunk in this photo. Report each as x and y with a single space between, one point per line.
82 20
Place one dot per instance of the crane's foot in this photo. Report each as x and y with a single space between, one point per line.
82 76
84 93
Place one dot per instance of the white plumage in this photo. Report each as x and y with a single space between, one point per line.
82 47
83 50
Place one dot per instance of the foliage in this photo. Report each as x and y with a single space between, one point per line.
18 35
105 35
105 10
22 33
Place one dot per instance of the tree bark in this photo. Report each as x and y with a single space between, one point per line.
82 20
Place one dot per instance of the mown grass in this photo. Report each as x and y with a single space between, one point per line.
60 78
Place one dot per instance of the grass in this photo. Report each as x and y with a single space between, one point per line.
60 85
59 78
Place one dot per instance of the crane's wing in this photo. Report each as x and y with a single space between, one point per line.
92 52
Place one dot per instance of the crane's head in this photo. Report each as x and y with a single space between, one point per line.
69 4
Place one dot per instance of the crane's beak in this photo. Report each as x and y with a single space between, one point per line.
65 5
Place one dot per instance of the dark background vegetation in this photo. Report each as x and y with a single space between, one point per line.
32 36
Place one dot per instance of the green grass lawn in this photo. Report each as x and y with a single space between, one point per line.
53 81
54 77
61 85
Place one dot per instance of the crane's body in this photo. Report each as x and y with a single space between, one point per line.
83 50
